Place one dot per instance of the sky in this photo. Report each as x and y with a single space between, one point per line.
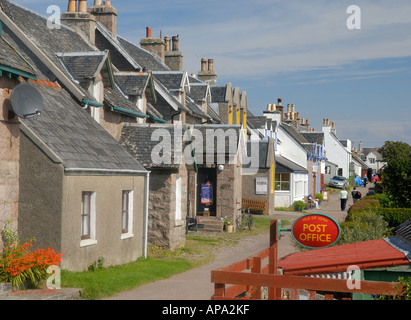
352 67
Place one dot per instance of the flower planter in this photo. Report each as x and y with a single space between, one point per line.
229 228
200 225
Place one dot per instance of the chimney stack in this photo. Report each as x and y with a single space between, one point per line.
154 45
80 20
106 14
207 75
173 58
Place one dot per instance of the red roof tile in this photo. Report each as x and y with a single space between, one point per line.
365 255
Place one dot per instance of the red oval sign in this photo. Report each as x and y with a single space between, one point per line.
315 230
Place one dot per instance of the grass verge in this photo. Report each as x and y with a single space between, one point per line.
200 248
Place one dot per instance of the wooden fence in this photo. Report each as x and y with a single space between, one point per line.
245 279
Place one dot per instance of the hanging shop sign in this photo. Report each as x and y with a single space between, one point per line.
316 231
207 193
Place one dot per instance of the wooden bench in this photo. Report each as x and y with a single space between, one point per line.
191 224
255 205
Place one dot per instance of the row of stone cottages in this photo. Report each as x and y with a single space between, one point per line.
64 174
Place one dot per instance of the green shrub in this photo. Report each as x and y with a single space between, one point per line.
363 226
299 205
366 204
319 196
395 216
383 198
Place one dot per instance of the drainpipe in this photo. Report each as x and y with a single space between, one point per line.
146 192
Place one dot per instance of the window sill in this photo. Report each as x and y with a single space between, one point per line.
178 223
126 236
87 242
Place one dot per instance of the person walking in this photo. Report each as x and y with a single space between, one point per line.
356 195
343 199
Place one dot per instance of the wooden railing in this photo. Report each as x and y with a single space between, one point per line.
254 204
245 279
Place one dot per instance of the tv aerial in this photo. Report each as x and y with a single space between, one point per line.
26 101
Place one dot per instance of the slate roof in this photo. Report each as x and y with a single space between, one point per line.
263 150
284 165
198 91
195 108
10 57
366 151
50 41
132 83
294 133
75 137
143 57
172 80
116 98
83 65
314 137
218 93
137 140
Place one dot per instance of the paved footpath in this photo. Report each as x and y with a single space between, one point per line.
196 284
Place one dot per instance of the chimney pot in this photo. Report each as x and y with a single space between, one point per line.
167 40
203 64
72 6
175 43
279 101
302 121
82 6
148 32
107 3
306 121
210 64
97 2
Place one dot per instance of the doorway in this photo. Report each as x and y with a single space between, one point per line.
206 191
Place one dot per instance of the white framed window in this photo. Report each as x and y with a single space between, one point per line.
88 218
126 214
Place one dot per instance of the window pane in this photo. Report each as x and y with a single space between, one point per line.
125 211
85 230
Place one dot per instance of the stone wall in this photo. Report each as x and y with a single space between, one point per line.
9 156
164 230
229 191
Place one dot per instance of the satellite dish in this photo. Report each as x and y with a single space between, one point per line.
26 101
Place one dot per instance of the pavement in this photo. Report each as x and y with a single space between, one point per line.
196 284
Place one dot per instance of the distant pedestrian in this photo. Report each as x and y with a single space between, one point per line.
356 195
343 199
374 179
365 181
